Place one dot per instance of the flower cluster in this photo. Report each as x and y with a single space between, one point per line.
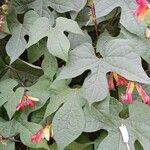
27 101
127 98
44 133
142 9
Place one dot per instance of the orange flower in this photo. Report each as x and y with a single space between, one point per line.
142 9
44 133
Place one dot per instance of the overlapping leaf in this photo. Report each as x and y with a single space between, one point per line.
19 125
8 97
70 5
94 113
17 43
40 6
57 100
116 59
128 20
7 146
137 125
44 33
69 120
137 44
36 51
49 65
57 44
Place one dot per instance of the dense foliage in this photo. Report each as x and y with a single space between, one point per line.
74 75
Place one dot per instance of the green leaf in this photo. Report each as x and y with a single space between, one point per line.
36 51
27 68
115 59
49 65
17 43
57 44
3 35
64 6
9 146
23 72
57 100
38 115
78 146
128 20
94 117
115 107
19 125
137 125
8 97
40 6
2 67
40 90
76 39
10 106
92 123
69 121
139 45
42 84
35 34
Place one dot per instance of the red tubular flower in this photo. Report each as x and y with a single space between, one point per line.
142 9
111 82
119 80
25 102
127 98
144 96
46 133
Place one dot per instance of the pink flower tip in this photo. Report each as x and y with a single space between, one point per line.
36 138
127 98
144 96
142 9
142 2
